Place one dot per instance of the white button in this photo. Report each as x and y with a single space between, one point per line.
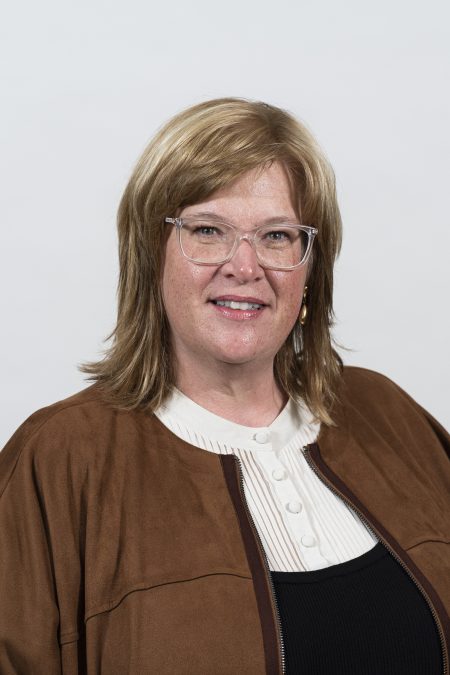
308 540
261 436
279 474
294 507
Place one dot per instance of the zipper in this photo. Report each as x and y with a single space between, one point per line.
378 535
266 563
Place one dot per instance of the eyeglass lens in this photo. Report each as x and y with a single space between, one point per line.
276 245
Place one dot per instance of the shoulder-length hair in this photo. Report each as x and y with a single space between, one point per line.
199 151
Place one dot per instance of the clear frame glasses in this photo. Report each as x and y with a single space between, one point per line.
213 242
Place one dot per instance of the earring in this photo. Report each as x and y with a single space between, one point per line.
304 308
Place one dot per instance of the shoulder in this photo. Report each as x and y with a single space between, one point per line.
68 434
363 387
355 377
368 398
60 418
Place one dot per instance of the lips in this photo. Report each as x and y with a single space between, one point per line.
234 302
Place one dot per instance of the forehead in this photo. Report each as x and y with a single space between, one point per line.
260 192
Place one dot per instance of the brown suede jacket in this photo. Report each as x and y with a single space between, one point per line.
125 550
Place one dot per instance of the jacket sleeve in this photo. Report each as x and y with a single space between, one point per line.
35 546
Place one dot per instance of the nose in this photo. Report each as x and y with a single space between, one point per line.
244 265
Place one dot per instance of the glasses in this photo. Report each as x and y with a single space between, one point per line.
211 242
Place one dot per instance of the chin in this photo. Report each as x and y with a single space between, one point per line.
240 357
237 361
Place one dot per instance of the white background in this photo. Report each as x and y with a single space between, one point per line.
84 86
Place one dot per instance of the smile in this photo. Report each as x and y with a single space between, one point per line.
233 304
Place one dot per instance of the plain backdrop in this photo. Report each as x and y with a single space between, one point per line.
84 85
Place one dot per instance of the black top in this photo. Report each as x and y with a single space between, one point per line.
365 617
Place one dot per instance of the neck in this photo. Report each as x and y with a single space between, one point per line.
246 394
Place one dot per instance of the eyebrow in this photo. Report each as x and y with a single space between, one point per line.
273 220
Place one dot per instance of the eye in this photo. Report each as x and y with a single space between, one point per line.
278 236
206 230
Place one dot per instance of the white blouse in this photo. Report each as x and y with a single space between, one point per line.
303 526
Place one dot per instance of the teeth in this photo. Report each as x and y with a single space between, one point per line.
232 304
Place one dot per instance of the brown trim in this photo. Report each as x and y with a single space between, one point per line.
323 468
272 649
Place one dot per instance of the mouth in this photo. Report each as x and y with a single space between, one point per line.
237 308
235 304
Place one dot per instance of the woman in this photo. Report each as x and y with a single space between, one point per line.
226 497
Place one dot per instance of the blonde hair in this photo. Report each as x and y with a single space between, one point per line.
200 150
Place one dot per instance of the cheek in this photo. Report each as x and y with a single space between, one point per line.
183 285
188 280
289 290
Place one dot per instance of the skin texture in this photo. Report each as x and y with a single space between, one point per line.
224 360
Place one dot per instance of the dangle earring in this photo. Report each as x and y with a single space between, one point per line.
304 308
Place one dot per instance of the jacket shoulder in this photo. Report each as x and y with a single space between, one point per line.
362 386
57 430
355 376
369 395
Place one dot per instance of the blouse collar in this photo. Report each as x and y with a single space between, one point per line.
190 421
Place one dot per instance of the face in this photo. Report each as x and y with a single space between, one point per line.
205 333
